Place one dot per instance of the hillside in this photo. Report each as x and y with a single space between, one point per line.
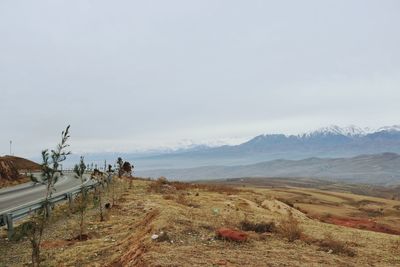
22 164
383 169
388 192
175 224
12 170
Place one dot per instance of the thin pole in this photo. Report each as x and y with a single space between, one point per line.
10 147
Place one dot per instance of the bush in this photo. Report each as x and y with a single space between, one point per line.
181 199
258 227
396 246
289 228
161 185
335 246
168 197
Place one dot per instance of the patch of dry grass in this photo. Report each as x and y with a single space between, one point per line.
162 185
332 245
290 229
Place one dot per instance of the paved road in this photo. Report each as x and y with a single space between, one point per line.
17 196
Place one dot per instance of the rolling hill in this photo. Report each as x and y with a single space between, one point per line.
381 169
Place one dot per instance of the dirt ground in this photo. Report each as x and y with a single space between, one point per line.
175 225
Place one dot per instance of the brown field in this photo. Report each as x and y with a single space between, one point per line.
186 216
363 212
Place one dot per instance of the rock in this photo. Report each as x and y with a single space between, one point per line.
231 234
215 211
221 262
154 237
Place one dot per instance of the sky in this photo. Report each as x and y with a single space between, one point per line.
138 75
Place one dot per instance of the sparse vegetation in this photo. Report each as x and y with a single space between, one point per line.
35 228
396 246
124 168
120 164
162 229
127 168
332 245
264 227
98 194
82 201
163 186
290 229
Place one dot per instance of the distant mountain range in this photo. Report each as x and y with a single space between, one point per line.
328 142
379 169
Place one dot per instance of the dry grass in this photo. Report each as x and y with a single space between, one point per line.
290 229
6 183
319 203
396 246
162 185
182 199
262 227
186 235
331 245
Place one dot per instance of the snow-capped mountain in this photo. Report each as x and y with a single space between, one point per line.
327 142
351 130
394 128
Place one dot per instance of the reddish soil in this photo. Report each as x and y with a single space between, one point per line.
233 235
56 244
64 243
359 223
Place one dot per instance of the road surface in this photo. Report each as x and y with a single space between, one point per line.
19 195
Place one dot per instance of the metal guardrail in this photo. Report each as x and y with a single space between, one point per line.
12 215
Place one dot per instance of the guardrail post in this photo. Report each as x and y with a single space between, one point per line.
69 196
10 225
48 209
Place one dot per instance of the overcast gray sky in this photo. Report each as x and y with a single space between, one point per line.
133 75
